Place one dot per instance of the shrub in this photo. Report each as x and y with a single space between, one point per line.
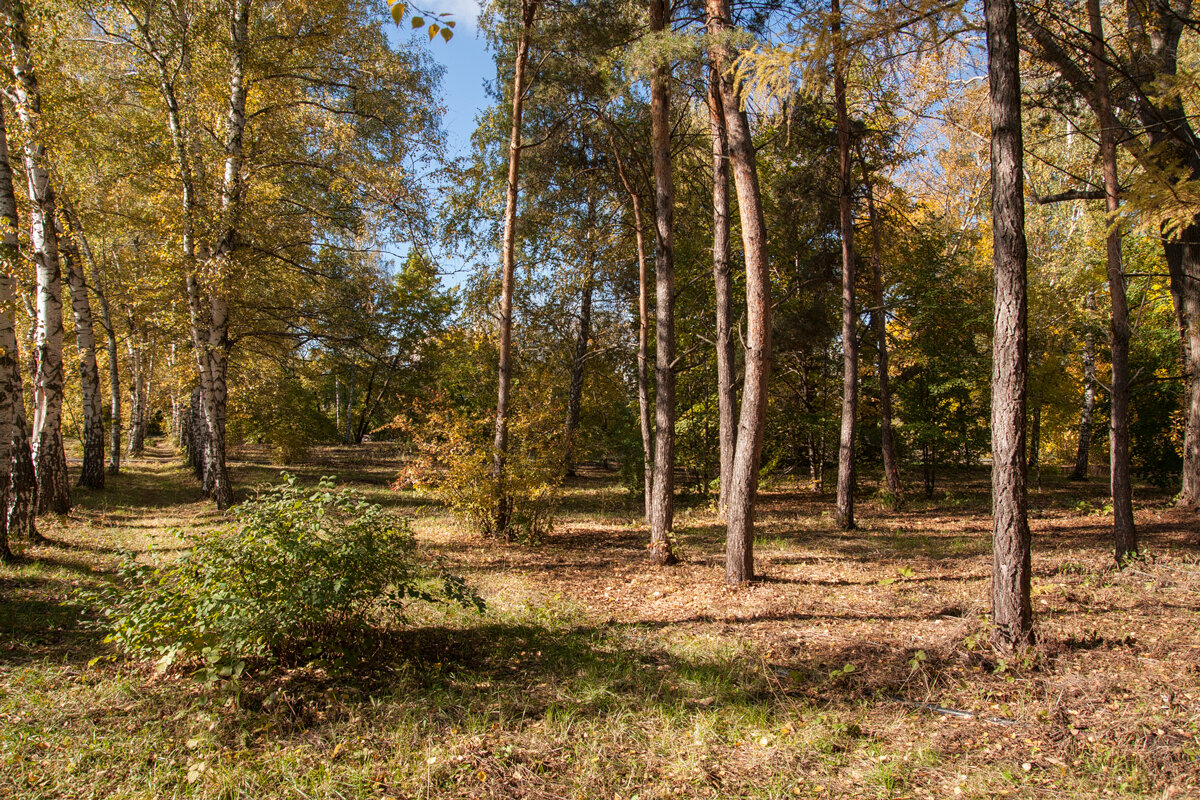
302 571
453 463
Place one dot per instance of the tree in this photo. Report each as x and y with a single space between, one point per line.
845 491
662 504
1012 609
739 540
49 458
1124 533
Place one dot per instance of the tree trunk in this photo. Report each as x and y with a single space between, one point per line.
137 390
91 473
643 356
1089 405
1012 610
49 458
11 394
110 334
727 408
739 539
891 469
1035 442
210 337
662 505
349 404
1125 542
846 466
508 260
1183 264
575 391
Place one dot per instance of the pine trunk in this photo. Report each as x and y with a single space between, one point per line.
846 465
739 539
891 468
643 356
579 358
1125 542
1012 610
508 261
1183 264
723 281
662 504
1089 405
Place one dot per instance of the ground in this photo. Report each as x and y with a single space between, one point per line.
594 675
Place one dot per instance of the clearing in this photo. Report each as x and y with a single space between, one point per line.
593 675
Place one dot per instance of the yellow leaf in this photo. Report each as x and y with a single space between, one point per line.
433 29
398 8
418 22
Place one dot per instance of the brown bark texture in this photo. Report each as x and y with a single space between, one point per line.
662 504
1011 568
727 408
1125 541
508 260
846 465
739 537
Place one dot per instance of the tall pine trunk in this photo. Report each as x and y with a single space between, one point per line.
1011 568
643 355
49 458
91 473
739 537
723 283
891 464
846 465
1089 405
508 260
662 504
578 359
1125 542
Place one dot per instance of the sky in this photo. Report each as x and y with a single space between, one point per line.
468 66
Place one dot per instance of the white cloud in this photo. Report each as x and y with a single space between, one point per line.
464 12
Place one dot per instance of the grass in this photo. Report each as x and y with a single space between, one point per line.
595 676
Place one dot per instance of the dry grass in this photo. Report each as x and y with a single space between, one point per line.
596 676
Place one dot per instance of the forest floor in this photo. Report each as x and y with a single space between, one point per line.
593 675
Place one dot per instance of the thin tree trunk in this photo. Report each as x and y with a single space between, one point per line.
1125 541
349 404
846 466
1183 265
110 334
1089 405
49 458
575 391
1035 442
662 506
91 473
508 261
643 356
1012 610
727 408
739 539
137 391
17 518
211 337
891 469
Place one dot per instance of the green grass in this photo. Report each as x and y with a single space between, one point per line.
556 692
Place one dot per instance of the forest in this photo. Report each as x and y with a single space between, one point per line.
773 398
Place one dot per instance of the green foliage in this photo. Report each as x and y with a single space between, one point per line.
301 571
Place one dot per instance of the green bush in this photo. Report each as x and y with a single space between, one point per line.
301 573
